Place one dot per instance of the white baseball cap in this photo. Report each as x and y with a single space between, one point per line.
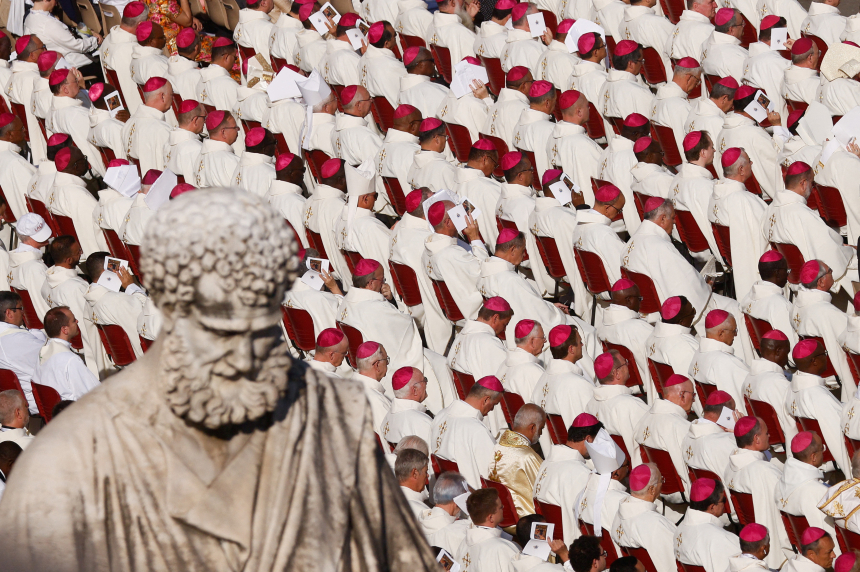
34 226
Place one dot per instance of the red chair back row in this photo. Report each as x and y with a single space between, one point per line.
31 319
116 344
509 509
650 300
300 328
557 429
767 413
46 399
812 425
354 338
463 383
660 373
672 481
406 282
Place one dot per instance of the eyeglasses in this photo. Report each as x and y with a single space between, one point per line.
604 554
387 360
17 309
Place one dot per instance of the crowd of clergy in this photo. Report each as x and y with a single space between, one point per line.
610 289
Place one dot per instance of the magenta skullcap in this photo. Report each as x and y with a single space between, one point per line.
794 117
730 156
797 168
801 46
57 139
117 163
770 256
409 54
401 377
511 160
403 110
715 318
330 168
472 60
517 73
653 203
775 335
640 477
180 189
744 91
801 441
214 119
723 16
429 124
753 532
585 43
549 175
857 302
62 158
519 10
506 4
497 304
255 136
603 365
22 43
635 120
366 350
366 266
585 420
329 337
692 139
144 30
623 284
702 489
187 105
150 177
153 84
58 76
745 425
670 308
374 33
96 91
133 9
305 12
413 200
564 26
491 382
436 213
729 82
221 42
524 328
625 47
687 63
186 37
718 397
349 19
675 379
6 119
809 271
484 145
845 562
804 349
812 533
850 43
607 193
568 98
768 22
641 144
507 235
46 60
347 94
283 161
539 88
559 334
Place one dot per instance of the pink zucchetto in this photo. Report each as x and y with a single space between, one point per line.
585 43
186 37
305 12
770 256
330 168
96 91
374 33
524 328
57 139
401 377
568 98
640 477
729 82
347 94
283 161
850 43
744 91
730 156
429 124
745 425
180 189
675 379
116 162
491 382
255 136
723 16
366 350
539 88
409 54
214 119
413 200
801 46
801 441
625 47
603 365
809 271
153 84
62 158
507 235
188 105
845 562
484 145
564 26
403 110
549 175
753 532
715 318
517 73
811 534
366 266
348 20
506 4
585 420
559 334
133 9
497 304
718 397
635 120
519 10
641 144
607 193
150 177
511 160
768 22
702 489
58 76
692 139
653 203
221 41
472 60
797 168
22 43
144 30
623 284
687 63
46 60
436 213
775 335
804 349
670 308
329 337
856 302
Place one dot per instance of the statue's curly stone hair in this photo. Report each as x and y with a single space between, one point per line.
227 232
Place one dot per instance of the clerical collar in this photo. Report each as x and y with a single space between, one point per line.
750 556
6 428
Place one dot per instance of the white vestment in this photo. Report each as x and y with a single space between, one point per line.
320 304
381 73
593 234
63 370
468 111
840 95
624 327
652 180
571 149
111 209
798 492
521 49
131 231
520 373
147 62
638 524
444 259
485 550
286 198
588 79
144 136
743 132
69 116
341 63
406 417
561 479
531 133
490 39
556 65
253 30
724 56
184 74
670 108
380 405
485 193
447 31
838 172
504 115
118 308
20 90
217 88
19 353
421 93
105 131
353 140
287 117
620 412
181 152
690 36
254 173
431 169
706 116
645 27
801 84
312 50
321 214
116 50
72 199
216 164
14 177
715 364
692 189
765 68
563 390
767 301
616 162
623 94
825 22
767 382
459 434
707 446
700 540
664 427
610 502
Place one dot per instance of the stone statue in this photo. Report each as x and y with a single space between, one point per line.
214 451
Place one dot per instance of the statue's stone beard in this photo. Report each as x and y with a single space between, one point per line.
210 394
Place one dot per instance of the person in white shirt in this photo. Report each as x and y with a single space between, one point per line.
709 113
755 546
624 92
72 199
147 59
117 48
27 270
715 363
441 524
19 348
14 417
105 130
256 168
331 349
521 48
766 299
483 546
692 32
255 27
217 161
20 87
371 366
816 550
416 87
59 367
724 54
341 64
17 171
824 21
708 445
182 68
671 106
68 115
216 87
646 27
380 70
411 470
407 415
767 379
146 131
430 168
700 539
56 35
353 139
765 68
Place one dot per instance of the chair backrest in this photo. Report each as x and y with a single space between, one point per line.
744 507
460 140
302 325
406 282
510 404
246 52
248 124
639 199
509 509
67 225
794 526
107 154
395 194
704 390
463 383
594 126
640 553
592 271
619 442
666 137
831 207
530 155
8 380
822 48
277 63
18 109
673 482
696 474
750 35
134 260
442 58
723 238
767 413
443 465
283 148
683 567
854 365
46 399
551 258
808 424
829 370
10 216
111 17
113 79
315 240
653 70
660 372
710 80
848 540
315 159
352 258
795 105
116 344
495 74
793 258
231 9
145 344
635 379
502 149
650 300
411 41
690 232
446 301
753 186
557 429
31 319
757 328
354 338
38 207
383 113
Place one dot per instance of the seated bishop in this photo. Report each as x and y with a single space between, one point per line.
766 300
515 464
407 415
603 496
715 364
700 539
521 369
710 442
768 379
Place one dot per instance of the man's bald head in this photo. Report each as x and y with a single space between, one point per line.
409 123
530 421
5 46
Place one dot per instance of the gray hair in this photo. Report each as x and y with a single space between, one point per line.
449 486
528 414
10 400
364 364
407 461
404 391
529 335
742 161
163 89
656 477
665 209
723 326
319 106
679 71
821 272
412 442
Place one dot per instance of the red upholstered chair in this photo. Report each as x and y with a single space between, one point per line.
10 216
704 390
753 186
650 302
793 257
557 429
277 63
552 513
653 70
31 319
619 442
282 147
853 365
807 424
443 465
460 141
794 105
594 126
724 241
246 53
744 507
9 380
442 58
410 41
671 154
635 380
502 149
530 155
831 207
316 242
593 275
145 344
696 474
354 339
495 74
794 526
757 329
352 259
46 398
822 48
672 480
67 225
337 89
117 344
383 113
395 194
134 260
115 245
509 509
510 404
830 370
750 35
248 124
463 382
113 79
767 413
315 159
38 207
682 567
660 372
551 258
18 109
300 328
691 234
641 554
406 282
446 301
847 539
